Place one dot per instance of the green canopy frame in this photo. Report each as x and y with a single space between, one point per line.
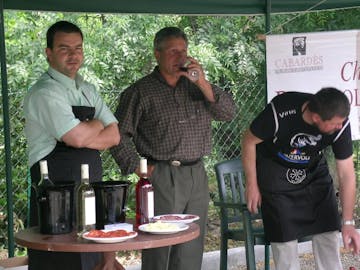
185 7
237 7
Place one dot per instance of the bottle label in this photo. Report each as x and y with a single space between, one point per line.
147 203
150 203
90 215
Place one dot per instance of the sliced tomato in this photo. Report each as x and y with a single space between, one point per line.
115 233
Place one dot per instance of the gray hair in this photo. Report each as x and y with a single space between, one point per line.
166 33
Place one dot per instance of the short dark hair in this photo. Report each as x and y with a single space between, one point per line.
60 26
328 103
168 32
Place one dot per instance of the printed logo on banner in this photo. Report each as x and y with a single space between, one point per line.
299 45
300 60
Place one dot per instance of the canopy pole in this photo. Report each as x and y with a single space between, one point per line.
5 104
267 17
267 31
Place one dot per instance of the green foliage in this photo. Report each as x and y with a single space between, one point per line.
343 19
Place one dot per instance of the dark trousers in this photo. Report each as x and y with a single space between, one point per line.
179 190
62 260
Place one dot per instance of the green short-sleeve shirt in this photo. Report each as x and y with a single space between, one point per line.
48 110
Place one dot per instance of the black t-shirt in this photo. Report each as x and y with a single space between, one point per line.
289 140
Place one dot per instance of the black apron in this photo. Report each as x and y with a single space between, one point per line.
296 202
64 164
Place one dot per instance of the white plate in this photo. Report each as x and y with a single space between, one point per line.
107 240
176 218
179 227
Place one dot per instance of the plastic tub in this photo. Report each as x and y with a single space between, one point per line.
56 208
111 198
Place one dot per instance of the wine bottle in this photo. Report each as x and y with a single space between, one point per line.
45 210
86 215
144 196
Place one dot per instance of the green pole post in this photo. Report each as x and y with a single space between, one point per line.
267 31
5 104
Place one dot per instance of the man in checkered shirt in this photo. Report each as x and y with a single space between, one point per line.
166 117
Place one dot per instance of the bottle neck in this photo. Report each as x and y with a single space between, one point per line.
85 181
44 180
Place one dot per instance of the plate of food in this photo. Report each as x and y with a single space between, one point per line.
160 227
109 236
176 218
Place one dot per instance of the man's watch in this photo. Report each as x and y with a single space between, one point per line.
349 222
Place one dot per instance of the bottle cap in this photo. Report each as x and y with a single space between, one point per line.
85 171
143 166
43 167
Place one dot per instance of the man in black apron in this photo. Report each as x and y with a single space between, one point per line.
67 123
287 175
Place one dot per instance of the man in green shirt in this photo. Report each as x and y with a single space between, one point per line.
66 123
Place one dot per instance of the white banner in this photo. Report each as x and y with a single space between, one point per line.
307 62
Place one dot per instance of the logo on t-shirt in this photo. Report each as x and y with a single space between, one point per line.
302 139
295 154
287 113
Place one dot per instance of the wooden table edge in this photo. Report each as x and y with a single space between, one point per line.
32 239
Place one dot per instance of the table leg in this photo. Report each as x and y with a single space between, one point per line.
168 258
109 262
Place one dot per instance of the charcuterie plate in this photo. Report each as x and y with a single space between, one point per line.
176 218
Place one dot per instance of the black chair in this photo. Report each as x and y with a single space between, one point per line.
237 223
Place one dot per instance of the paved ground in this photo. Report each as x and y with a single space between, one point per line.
307 262
237 261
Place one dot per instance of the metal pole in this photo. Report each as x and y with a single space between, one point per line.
5 105
267 31
268 15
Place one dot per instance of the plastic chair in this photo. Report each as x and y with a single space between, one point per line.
237 223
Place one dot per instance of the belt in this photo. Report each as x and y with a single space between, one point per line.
174 162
